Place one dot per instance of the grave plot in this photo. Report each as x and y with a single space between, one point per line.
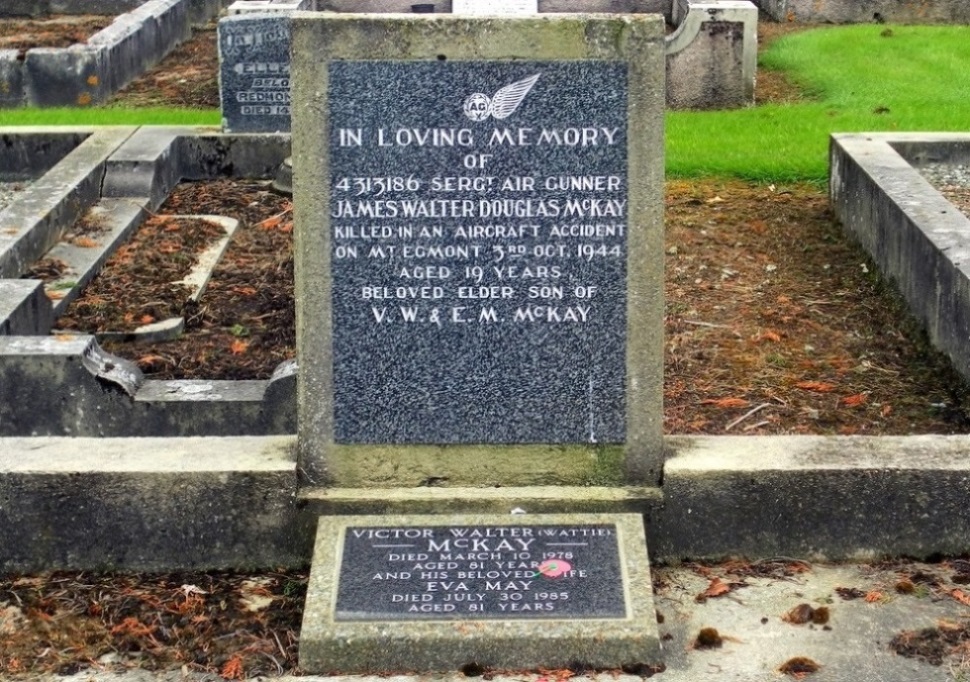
81 60
728 354
160 292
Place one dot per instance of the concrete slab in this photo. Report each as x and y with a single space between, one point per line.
831 497
24 309
337 636
149 504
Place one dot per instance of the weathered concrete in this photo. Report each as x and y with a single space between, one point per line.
155 159
118 218
915 236
712 57
375 645
817 497
24 309
149 504
37 218
66 385
879 11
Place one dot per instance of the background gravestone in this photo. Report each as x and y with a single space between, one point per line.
479 258
254 72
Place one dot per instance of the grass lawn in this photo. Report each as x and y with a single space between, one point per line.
857 78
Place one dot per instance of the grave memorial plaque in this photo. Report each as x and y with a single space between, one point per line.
254 73
480 572
479 221
425 593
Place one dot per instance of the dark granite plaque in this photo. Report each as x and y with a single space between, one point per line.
480 573
479 231
254 73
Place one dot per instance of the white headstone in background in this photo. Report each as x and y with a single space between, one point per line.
494 7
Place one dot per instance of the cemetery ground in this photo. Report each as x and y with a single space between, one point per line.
776 323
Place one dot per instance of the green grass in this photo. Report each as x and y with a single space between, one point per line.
108 117
915 79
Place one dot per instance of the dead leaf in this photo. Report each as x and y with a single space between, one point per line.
55 295
961 597
233 669
238 347
714 200
715 589
886 410
146 319
873 596
816 386
271 222
799 615
855 400
769 335
132 626
725 403
244 291
84 242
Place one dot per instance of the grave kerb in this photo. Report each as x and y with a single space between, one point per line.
636 41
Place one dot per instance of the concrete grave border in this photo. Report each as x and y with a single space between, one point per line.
90 72
917 238
89 494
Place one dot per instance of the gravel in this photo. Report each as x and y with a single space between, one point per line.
952 181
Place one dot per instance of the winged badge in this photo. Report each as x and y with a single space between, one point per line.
478 106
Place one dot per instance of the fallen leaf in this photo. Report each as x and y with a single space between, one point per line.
816 386
146 319
715 589
725 403
244 291
886 410
55 295
132 626
238 347
149 360
271 222
873 596
961 597
855 400
714 200
799 615
84 242
769 335
233 669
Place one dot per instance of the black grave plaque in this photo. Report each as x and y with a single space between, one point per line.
480 573
478 219
254 73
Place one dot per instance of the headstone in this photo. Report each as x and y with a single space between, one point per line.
479 216
429 593
254 72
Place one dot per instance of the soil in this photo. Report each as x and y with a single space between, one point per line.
242 327
54 31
